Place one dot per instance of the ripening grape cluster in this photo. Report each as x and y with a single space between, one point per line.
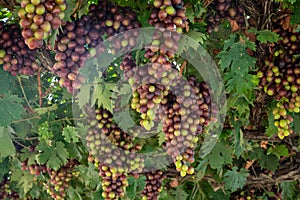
81 39
224 9
15 56
108 142
153 185
39 18
6 192
185 119
112 151
168 14
113 182
280 78
34 169
59 180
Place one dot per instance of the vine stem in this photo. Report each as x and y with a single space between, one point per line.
40 88
182 67
23 92
22 145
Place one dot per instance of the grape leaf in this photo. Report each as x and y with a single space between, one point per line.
26 182
70 134
55 156
4 167
135 186
198 36
161 138
240 83
73 193
234 56
5 81
83 96
179 194
6 146
234 179
279 150
270 162
103 93
219 156
70 9
266 36
10 108
288 189
88 174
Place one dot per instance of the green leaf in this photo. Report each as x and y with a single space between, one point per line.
6 146
73 193
71 5
44 133
266 36
26 182
70 134
198 36
234 56
84 9
270 162
4 167
55 156
219 156
234 179
88 175
5 81
10 108
179 194
83 96
102 93
135 186
279 150
288 190
161 138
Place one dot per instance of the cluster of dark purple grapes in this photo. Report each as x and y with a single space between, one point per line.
224 9
39 18
168 14
127 65
15 56
34 169
280 77
6 192
82 39
59 180
153 185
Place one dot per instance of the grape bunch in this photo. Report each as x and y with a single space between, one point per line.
6 192
112 151
34 169
15 56
108 143
59 180
185 119
153 185
82 39
282 120
280 78
39 18
224 9
127 65
113 182
169 14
